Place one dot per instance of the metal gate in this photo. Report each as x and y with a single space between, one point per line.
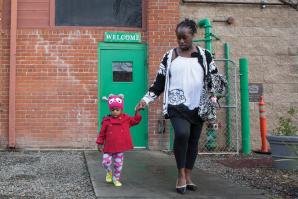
224 138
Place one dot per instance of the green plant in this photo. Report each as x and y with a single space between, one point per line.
286 125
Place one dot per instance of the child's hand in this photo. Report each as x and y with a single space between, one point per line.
141 105
137 111
100 148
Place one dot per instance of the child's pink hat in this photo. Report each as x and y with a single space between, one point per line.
116 101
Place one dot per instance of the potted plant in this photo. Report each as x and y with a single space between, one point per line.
284 141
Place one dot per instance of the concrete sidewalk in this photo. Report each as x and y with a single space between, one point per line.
152 174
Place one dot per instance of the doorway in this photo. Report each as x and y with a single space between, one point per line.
122 70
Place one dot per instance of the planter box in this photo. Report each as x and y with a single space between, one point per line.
284 151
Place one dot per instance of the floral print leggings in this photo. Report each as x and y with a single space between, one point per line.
117 160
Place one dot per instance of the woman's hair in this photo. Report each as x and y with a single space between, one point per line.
188 23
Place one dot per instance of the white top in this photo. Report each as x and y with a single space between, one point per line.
186 82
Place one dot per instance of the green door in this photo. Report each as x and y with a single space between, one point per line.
122 70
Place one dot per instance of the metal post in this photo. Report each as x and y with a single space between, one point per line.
228 98
245 123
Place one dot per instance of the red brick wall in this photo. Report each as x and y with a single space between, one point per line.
56 88
4 79
56 83
33 13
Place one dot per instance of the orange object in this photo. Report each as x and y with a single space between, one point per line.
263 125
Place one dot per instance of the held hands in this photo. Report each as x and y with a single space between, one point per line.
100 148
140 106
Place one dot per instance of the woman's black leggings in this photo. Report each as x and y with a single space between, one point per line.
186 141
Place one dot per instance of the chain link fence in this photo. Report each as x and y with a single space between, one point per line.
222 137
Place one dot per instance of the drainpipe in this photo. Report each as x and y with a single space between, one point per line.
205 23
12 77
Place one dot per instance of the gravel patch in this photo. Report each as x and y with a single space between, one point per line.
44 175
276 182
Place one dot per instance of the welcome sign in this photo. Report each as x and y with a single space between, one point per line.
117 37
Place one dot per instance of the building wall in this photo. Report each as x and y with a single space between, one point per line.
56 77
56 88
56 82
268 38
34 13
4 79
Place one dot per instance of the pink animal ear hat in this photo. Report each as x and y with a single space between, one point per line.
116 101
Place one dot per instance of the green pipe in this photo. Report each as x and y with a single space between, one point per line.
228 98
199 40
245 124
215 36
207 25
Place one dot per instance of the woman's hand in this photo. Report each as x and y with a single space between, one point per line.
141 105
214 99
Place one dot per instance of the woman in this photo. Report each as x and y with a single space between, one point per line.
181 76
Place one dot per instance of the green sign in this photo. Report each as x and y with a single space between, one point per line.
130 37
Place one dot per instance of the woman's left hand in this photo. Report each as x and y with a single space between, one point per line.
214 99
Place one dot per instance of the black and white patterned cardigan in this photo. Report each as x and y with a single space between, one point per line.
161 83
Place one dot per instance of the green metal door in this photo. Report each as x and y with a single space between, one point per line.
122 70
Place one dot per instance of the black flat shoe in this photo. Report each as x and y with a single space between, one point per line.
181 189
191 187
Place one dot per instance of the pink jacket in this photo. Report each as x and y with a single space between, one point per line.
115 133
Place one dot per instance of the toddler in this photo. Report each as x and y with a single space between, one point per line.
114 137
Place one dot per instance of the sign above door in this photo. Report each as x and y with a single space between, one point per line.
119 37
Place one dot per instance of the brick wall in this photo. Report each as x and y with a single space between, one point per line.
4 78
268 38
56 88
56 81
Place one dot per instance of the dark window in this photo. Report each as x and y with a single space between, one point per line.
119 13
122 71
